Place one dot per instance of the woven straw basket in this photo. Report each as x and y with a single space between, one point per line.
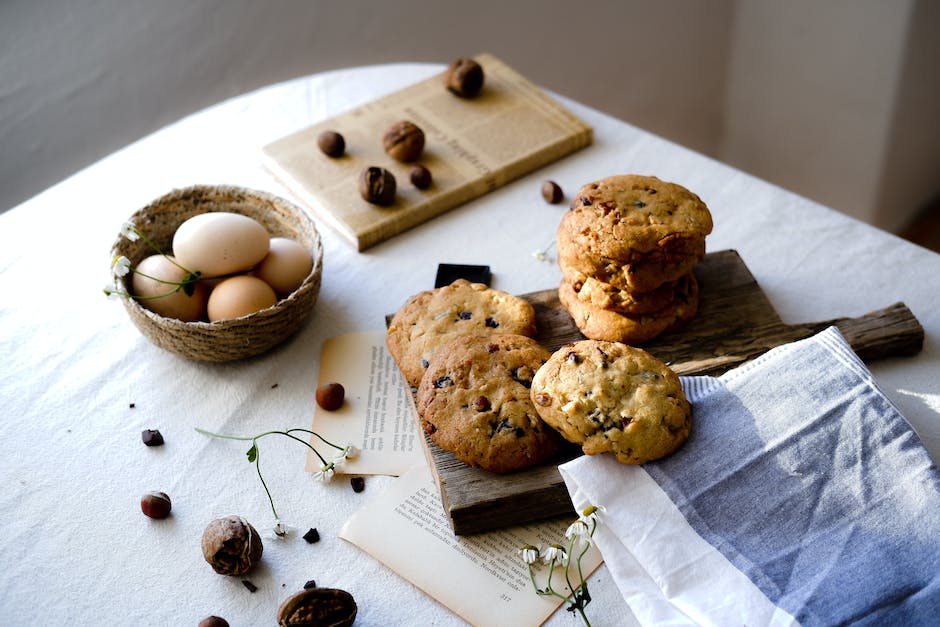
225 340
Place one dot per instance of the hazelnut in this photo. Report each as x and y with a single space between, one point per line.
377 185
464 78
330 396
231 545
155 505
403 141
331 143
420 176
213 621
551 192
318 606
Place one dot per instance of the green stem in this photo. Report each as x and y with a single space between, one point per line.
263 483
321 438
261 435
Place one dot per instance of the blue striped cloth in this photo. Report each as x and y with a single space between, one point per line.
802 496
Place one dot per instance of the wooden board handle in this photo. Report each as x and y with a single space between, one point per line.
889 332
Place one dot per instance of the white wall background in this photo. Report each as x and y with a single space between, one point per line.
834 99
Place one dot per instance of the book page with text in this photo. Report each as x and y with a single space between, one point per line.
481 577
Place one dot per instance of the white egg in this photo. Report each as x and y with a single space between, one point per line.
219 243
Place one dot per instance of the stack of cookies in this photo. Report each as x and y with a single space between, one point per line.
468 350
627 250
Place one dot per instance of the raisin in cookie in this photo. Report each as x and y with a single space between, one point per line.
434 317
604 324
474 402
631 217
610 397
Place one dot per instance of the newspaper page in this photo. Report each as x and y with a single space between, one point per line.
472 146
376 415
482 577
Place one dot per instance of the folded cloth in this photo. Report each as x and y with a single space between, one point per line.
802 496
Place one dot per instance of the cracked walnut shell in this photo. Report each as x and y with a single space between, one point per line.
231 545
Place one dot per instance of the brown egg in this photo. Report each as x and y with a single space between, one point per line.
239 296
285 267
220 242
164 298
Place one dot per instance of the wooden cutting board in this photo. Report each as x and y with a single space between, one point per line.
735 323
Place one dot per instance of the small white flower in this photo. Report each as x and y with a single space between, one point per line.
540 255
577 529
280 529
591 512
555 552
110 292
350 452
129 231
529 554
120 265
325 474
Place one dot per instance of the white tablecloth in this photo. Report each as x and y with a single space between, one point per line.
77 550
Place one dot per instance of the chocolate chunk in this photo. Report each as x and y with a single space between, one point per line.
152 437
358 484
312 536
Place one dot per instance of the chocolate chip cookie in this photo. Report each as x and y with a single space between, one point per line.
605 324
632 218
595 292
637 276
434 317
474 402
610 397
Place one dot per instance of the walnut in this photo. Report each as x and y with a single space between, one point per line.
231 545
318 607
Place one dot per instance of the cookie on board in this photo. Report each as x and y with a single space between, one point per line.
474 402
434 317
612 398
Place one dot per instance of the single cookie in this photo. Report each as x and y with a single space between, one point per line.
639 276
474 402
605 296
610 397
603 324
434 317
630 217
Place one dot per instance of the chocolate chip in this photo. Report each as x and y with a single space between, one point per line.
152 437
310 584
312 536
639 204
465 315
573 358
481 404
523 375
519 432
491 323
251 587
132 405
358 484
492 348
443 382
424 363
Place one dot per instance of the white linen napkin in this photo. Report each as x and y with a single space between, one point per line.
802 496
